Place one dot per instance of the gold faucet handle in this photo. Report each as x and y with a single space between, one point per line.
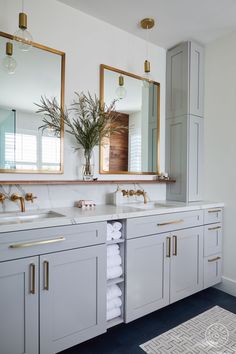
30 197
124 192
14 197
2 198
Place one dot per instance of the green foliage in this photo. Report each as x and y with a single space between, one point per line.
91 122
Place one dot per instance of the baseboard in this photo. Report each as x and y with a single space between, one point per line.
228 286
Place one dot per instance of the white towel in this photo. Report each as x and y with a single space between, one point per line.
113 250
113 261
109 231
113 291
115 235
114 303
117 226
116 312
114 272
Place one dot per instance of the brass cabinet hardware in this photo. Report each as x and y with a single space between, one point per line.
168 247
46 275
37 243
175 245
214 259
170 222
214 210
214 228
32 278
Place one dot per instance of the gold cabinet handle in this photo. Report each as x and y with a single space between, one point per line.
46 275
214 228
32 278
175 245
170 222
214 259
168 247
37 243
214 210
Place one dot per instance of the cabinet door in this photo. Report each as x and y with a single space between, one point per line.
186 269
72 297
147 275
196 79
195 164
19 306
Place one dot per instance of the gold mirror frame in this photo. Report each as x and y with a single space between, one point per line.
63 57
104 67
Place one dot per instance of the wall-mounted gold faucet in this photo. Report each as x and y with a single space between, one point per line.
139 192
3 197
30 197
15 197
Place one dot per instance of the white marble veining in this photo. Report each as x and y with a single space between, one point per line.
104 212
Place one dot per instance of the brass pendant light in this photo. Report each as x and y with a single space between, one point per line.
9 63
147 24
22 36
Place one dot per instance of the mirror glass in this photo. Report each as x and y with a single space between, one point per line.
138 107
24 148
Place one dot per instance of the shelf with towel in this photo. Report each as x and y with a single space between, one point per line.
115 281
112 242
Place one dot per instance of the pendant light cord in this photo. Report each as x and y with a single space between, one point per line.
23 6
147 43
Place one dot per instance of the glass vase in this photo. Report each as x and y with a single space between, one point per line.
88 167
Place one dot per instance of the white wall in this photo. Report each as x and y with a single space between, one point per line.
220 142
88 42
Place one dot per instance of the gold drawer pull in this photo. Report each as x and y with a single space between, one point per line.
168 253
46 275
214 228
37 243
170 222
214 259
214 210
32 278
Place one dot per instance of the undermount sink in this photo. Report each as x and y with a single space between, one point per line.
16 218
152 205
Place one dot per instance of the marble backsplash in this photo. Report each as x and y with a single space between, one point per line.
56 196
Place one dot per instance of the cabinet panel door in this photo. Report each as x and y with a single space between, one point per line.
19 306
177 82
186 269
196 79
72 297
177 157
147 275
195 165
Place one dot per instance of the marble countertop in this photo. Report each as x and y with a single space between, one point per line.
72 216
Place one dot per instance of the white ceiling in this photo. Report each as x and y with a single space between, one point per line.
178 20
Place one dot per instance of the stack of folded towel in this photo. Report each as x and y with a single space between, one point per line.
114 302
114 230
114 261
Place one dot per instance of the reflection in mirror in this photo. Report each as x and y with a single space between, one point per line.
23 146
138 108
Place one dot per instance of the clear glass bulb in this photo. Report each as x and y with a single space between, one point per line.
121 92
23 39
9 64
147 78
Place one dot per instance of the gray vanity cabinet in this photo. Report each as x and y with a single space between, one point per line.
147 275
19 306
186 266
72 297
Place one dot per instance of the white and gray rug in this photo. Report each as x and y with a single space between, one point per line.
214 331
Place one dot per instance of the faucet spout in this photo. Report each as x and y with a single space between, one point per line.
15 197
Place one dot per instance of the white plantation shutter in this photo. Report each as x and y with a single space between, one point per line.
135 153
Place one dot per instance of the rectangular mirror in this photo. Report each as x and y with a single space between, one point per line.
24 148
136 151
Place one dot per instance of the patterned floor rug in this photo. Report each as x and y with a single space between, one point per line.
214 331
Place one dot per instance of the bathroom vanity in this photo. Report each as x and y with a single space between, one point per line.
53 269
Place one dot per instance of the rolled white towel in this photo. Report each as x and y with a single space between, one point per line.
112 250
113 261
114 272
117 226
113 291
115 235
109 231
116 312
114 303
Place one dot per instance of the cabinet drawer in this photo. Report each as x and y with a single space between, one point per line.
212 239
149 225
20 244
213 215
212 270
